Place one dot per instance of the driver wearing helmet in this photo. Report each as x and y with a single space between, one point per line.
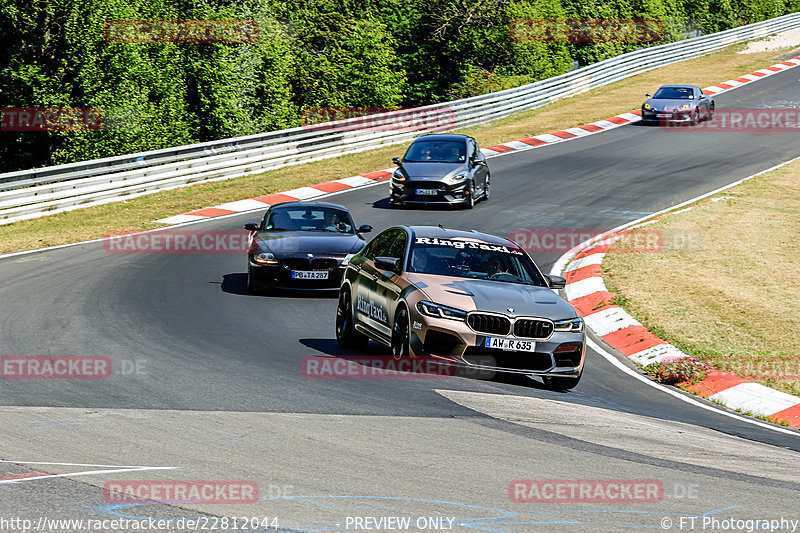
491 265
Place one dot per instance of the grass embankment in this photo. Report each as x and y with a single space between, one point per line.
733 301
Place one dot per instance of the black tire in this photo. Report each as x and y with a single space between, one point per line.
560 383
486 188
471 200
346 335
400 334
710 116
693 118
251 283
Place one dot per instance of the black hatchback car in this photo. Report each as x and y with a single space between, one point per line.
301 245
440 168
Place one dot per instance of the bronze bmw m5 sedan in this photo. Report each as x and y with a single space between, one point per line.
464 298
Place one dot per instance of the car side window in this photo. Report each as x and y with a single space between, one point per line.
398 248
380 245
478 154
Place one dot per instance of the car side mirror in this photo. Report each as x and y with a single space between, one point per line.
649 95
366 228
388 263
251 226
556 282
479 162
396 161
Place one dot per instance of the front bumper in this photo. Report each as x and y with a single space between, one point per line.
280 276
666 117
406 192
454 342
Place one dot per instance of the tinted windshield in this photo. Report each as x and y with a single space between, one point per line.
436 152
309 219
674 93
473 259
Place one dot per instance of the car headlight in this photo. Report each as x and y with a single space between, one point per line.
440 311
397 175
458 178
647 106
265 258
346 260
574 325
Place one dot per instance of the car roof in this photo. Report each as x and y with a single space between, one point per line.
679 86
308 204
451 233
443 137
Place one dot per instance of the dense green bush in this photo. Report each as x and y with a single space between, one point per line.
309 53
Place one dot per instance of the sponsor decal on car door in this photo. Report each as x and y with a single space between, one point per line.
387 291
369 308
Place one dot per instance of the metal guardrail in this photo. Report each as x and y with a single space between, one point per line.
38 192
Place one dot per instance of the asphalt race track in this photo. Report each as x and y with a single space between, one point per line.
219 394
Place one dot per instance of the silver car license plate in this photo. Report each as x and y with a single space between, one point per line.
427 192
510 345
309 274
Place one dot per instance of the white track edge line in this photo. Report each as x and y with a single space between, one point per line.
85 473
